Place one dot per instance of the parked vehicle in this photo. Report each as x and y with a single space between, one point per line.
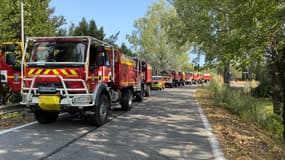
197 78
181 78
147 77
206 77
144 74
158 82
169 77
189 78
78 75
10 64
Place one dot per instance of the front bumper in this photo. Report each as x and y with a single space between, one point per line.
156 86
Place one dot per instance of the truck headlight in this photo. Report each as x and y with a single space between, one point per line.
81 99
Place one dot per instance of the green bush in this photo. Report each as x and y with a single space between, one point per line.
240 101
263 90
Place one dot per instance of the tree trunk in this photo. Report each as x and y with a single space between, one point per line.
227 73
276 89
282 84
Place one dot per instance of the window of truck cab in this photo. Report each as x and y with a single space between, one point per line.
57 51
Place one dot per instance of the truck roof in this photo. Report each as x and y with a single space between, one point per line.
77 38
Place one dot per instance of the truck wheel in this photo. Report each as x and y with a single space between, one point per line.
147 91
45 117
175 84
101 112
139 96
127 100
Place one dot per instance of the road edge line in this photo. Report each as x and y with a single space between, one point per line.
18 127
215 146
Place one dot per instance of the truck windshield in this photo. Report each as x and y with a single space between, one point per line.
53 52
156 78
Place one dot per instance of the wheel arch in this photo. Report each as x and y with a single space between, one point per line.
101 89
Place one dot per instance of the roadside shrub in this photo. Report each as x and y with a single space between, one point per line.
263 90
240 101
272 123
216 89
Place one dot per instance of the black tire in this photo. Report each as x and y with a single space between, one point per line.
127 100
102 111
45 117
139 96
147 91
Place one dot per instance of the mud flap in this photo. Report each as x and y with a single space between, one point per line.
49 103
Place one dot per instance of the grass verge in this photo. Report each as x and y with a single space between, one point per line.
14 119
239 126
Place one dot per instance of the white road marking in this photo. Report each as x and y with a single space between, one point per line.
18 127
213 141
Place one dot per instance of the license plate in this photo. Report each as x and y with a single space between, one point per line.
43 89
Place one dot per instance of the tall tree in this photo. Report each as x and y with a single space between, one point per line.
235 32
39 19
85 28
152 40
82 29
125 50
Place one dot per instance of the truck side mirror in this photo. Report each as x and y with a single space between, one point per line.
100 60
11 59
144 68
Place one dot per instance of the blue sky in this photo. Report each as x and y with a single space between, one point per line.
112 15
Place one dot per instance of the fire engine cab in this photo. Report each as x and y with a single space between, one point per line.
10 64
77 75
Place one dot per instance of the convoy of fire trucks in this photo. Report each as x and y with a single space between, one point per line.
80 75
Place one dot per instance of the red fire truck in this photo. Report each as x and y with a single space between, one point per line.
206 77
170 77
78 75
144 71
181 78
10 64
147 77
189 78
197 78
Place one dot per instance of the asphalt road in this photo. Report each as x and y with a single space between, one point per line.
166 126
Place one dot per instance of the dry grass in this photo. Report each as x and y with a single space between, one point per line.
14 119
239 140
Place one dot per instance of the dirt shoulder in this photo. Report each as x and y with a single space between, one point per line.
15 119
238 139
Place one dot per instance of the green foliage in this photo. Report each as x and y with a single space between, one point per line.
241 103
39 19
153 38
240 34
112 39
263 90
230 31
85 28
125 50
7 96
